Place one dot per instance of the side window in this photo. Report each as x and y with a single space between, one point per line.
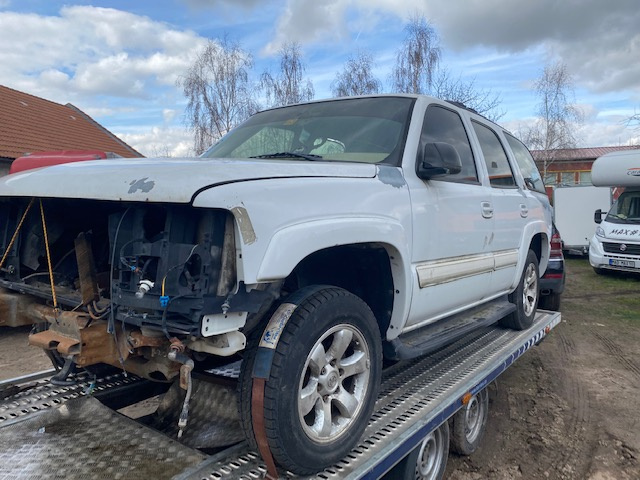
443 125
528 168
500 173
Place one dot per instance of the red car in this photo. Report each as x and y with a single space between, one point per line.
552 283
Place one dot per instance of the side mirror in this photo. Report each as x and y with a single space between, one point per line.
597 216
437 160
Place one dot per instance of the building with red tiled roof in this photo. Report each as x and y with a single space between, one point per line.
571 166
32 124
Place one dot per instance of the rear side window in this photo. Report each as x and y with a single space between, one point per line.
500 173
444 125
528 168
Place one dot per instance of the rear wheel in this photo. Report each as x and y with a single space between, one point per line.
525 296
323 381
426 462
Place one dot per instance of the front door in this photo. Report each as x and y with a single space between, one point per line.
453 221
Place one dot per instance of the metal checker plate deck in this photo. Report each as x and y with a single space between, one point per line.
85 439
415 398
40 394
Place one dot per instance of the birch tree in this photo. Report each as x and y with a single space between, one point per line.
417 59
288 85
356 78
555 126
219 92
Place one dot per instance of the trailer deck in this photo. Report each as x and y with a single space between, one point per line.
415 397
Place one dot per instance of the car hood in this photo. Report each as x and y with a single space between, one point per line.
162 180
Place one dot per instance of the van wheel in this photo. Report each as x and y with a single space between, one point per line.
469 423
323 381
427 461
525 296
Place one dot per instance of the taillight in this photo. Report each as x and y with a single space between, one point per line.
556 246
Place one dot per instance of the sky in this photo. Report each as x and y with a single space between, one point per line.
120 61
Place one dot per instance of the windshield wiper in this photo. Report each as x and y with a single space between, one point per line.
289 155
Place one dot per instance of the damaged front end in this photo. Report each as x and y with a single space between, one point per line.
124 284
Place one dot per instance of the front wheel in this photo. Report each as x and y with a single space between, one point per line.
525 296
323 381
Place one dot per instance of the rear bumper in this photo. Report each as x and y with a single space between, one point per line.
553 280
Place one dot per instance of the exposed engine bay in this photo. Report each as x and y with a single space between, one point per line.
126 284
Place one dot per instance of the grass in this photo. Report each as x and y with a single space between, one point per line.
589 294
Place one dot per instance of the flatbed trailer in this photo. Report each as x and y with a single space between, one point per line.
49 431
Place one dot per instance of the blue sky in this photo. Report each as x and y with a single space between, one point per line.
119 60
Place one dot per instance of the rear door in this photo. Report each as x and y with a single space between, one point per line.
510 207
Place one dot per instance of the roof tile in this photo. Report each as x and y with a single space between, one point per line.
32 124
568 154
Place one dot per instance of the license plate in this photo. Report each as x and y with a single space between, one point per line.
622 263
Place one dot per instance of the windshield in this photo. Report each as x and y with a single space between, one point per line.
370 130
626 209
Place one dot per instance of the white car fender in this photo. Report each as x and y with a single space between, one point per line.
289 246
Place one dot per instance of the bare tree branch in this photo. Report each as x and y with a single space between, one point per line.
633 121
417 59
219 93
485 102
356 77
288 86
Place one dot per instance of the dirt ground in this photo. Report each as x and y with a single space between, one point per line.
568 409
16 356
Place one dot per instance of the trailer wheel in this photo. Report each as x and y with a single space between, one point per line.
323 380
525 296
469 423
427 461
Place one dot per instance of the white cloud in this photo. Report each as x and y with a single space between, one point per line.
168 115
309 21
89 50
216 3
330 21
159 141
599 41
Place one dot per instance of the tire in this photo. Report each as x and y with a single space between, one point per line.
550 302
600 271
323 381
428 461
469 424
525 296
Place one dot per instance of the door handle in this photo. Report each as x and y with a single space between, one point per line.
487 209
524 210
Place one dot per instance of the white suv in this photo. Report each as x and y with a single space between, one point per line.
311 241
